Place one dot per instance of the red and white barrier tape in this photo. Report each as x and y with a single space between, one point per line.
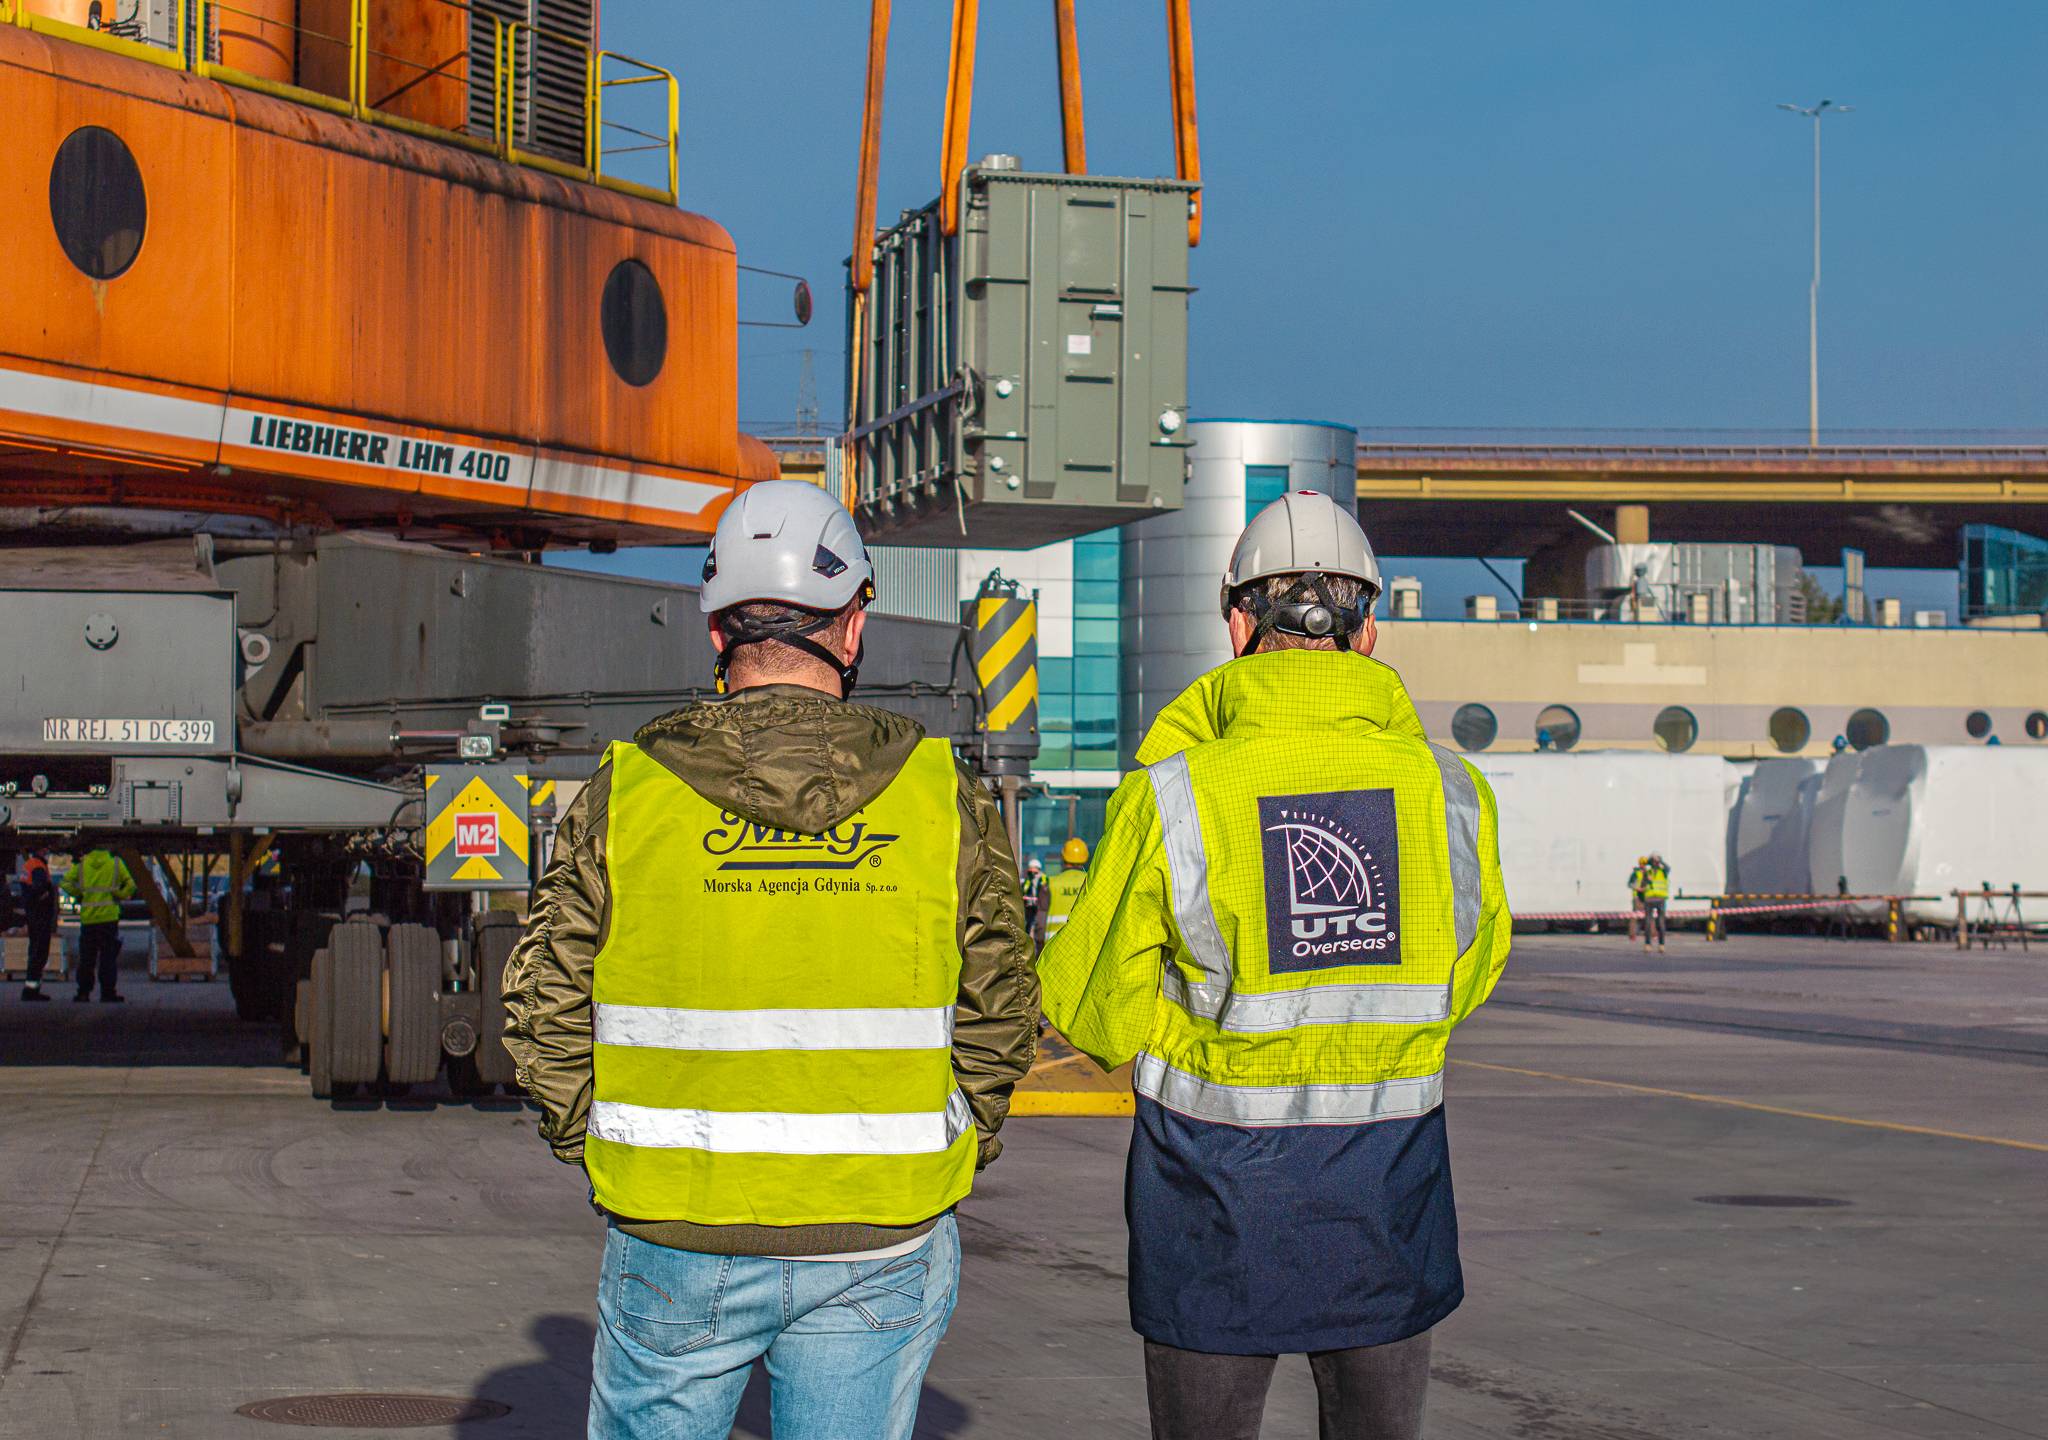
1625 915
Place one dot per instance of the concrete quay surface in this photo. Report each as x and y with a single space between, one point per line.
183 1230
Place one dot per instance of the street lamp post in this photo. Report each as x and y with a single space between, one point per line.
1814 113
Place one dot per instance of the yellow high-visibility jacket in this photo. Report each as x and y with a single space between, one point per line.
1293 903
99 883
773 1011
1063 889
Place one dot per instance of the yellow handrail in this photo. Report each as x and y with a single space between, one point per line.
506 116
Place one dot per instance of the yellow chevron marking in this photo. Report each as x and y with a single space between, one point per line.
477 868
513 835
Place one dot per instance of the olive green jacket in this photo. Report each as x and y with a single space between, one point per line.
797 759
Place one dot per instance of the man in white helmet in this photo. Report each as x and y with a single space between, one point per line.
773 997
1292 904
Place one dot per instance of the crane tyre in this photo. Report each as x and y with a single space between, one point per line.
497 931
357 955
320 1025
412 1031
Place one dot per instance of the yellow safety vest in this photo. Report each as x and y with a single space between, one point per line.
1657 883
99 883
774 1011
1065 889
1332 896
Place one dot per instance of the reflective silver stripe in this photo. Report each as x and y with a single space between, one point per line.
1286 1104
768 1132
1187 867
1461 831
667 1028
1243 1014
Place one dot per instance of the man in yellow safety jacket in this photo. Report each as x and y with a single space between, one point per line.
1291 905
99 883
1656 892
1065 887
773 996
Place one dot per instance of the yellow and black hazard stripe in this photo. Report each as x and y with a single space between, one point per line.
1004 648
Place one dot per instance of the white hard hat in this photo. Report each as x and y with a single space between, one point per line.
1304 530
786 541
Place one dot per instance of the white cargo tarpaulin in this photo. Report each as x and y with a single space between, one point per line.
1929 819
1770 827
1573 825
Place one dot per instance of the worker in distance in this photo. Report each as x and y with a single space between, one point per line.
1293 902
775 991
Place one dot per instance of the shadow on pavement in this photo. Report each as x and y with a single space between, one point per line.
551 1395
548 1396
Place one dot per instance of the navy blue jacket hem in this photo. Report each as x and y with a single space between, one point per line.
1306 1342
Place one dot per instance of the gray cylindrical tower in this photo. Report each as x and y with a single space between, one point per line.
1172 564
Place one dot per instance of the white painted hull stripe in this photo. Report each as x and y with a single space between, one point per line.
526 475
55 397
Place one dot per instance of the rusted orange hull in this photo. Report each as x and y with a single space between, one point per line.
345 325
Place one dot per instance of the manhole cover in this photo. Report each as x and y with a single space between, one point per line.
1774 1202
372 1412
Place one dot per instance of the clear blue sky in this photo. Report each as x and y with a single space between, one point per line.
1488 213
1492 213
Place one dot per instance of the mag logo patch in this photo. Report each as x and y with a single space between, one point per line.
742 844
1333 880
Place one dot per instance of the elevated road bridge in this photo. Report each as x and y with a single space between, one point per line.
1902 502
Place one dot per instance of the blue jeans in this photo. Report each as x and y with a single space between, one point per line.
847 1344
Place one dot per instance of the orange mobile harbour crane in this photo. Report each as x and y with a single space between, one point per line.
323 320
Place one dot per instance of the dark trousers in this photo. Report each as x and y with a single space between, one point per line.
38 951
1653 920
99 949
1372 1393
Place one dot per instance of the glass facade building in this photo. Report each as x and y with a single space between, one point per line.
1078 692
2004 572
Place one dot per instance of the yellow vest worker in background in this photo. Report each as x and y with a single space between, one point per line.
1291 906
1656 893
99 883
1065 887
773 996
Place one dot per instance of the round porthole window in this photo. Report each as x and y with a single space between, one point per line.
1790 730
1977 724
1867 729
2037 726
1474 727
635 322
1557 727
1675 728
97 203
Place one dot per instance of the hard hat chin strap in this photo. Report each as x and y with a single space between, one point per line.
741 630
1308 608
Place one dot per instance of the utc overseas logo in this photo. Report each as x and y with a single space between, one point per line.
1333 880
